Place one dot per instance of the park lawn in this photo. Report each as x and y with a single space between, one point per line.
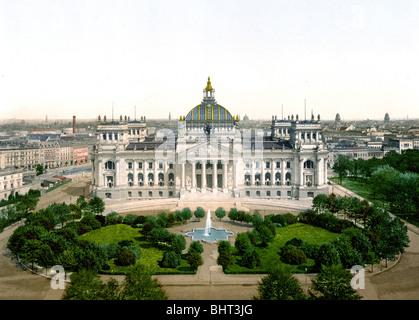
270 257
362 188
150 254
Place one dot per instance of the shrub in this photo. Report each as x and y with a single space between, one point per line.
250 257
111 218
161 220
170 259
90 223
294 256
225 259
195 260
125 258
224 245
199 213
179 244
277 219
220 213
195 246
129 219
111 250
290 218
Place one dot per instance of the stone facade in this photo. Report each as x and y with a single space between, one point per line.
209 155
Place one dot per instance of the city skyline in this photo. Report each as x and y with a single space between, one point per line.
266 58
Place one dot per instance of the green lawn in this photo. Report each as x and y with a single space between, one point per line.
269 255
150 255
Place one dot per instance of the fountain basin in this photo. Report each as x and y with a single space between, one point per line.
209 234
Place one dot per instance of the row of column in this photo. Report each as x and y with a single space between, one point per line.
204 175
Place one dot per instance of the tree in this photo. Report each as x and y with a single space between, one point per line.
85 285
250 257
195 246
39 169
327 255
61 212
199 213
195 260
280 285
125 258
96 205
178 244
333 283
186 214
342 166
82 203
171 259
320 202
265 235
139 285
225 259
220 213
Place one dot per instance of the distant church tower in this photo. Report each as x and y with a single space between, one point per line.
337 118
386 118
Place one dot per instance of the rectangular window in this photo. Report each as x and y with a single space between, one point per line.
150 193
278 193
140 194
289 193
140 165
278 164
160 165
129 165
288 164
268 193
268 164
170 194
258 193
129 194
310 194
160 193
247 193
170 165
150 165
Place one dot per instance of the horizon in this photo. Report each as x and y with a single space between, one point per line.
84 58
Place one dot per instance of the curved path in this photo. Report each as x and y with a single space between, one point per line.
401 281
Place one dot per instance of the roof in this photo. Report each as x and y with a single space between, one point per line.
204 113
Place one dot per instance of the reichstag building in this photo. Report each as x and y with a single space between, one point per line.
209 155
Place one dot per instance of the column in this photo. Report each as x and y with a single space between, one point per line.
117 173
273 165
145 174
262 172
156 182
252 172
225 186
135 173
183 176
99 173
203 177
283 164
214 177
193 176
325 170
301 172
235 174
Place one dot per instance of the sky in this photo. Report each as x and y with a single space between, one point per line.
148 58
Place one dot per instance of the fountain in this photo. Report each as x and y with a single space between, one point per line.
208 226
209 233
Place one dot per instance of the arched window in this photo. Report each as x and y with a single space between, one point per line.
171 179
247 179
278 178
309 164
110 165
150 179
161 179
267 178
140 179
130 179
257 179
288 178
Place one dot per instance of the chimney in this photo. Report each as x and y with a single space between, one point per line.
74 124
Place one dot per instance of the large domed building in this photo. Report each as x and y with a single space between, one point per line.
209 154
